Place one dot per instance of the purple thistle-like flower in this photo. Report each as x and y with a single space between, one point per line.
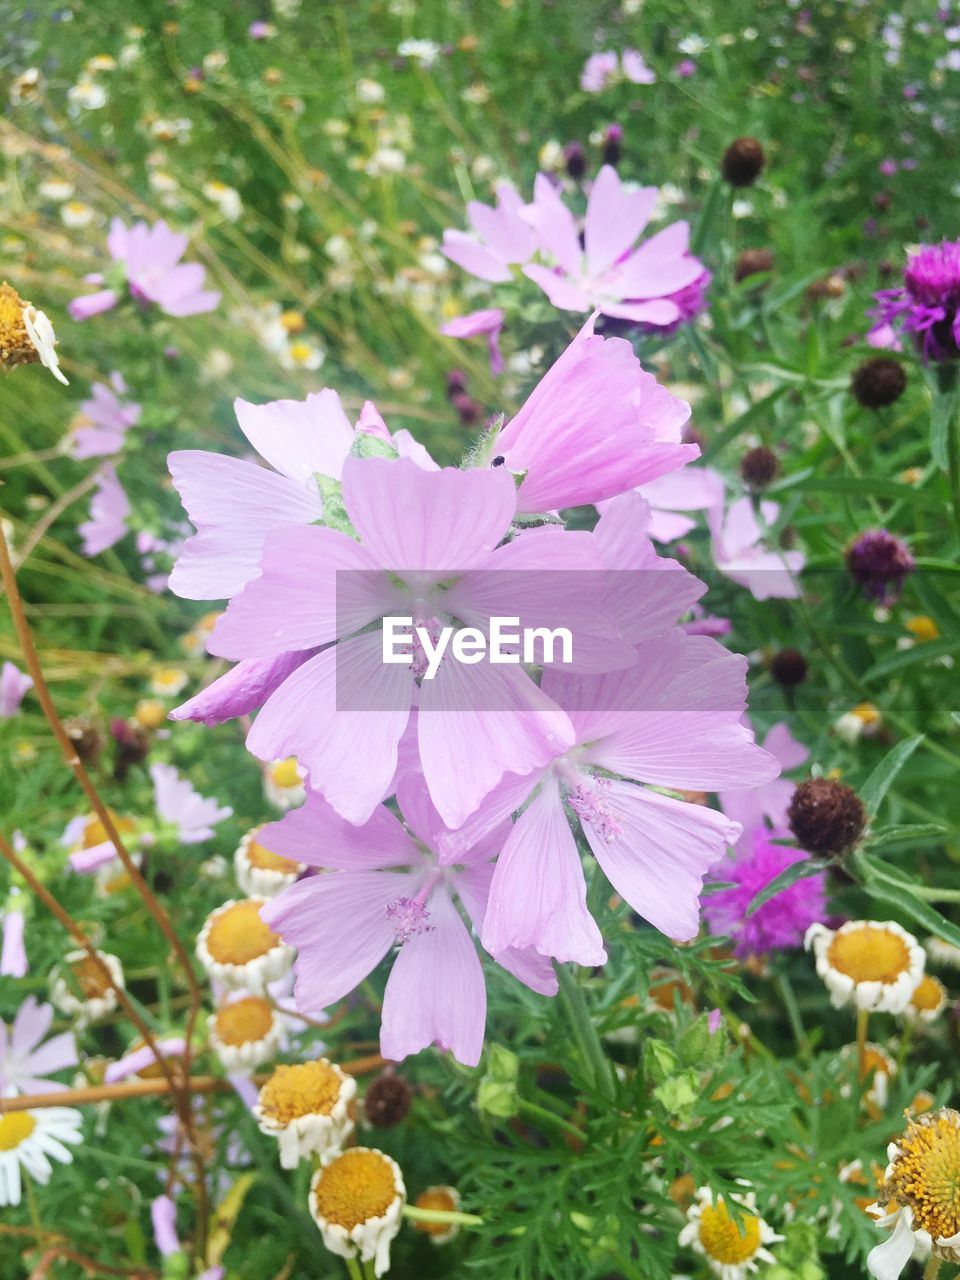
927 307
782 920
880 561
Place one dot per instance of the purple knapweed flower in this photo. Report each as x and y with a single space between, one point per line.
13 688
782 920
927 306
879 562
149 258
608 271
26 1059
106 420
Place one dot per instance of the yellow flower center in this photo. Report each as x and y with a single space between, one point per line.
866 713
355 1187
15 1129
149 713
167 678
929 995
300 352
721 1236
15 345
96 833
306 1089
926 1173
245 1021
436 1198
264 860
285 773
238 935
922 627
869 954
90 977
873 1059
293 322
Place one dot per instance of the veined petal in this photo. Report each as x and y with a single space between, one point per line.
300 438
317 835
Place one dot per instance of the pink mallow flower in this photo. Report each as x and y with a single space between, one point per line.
595 426
427 547
109 419
672 496
671 721
13 688
737 539
13 952
502 237
488 323
149 260
609 271
193 815
138 1059
383 889
781 921
235 503
109 509
26 1059
608 67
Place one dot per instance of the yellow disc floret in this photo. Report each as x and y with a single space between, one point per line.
244 1021
925 1173
929 996
262 858
354 1188
725 1239
306 1089
15 1129
869 954
237 934
285 774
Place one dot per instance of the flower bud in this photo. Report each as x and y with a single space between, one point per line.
826 816
878 382
742 162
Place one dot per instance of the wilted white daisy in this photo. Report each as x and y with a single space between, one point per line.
263 874
309 1108
167 682
732 1246
227 199
303 353
874 966
239 950
26 86
943 953
31 1139
356 1200
87 95
444 1199
245 1032
369 91
283 783
919 1197
56 189
928 1001
873 1064
80 989
425 52
26 335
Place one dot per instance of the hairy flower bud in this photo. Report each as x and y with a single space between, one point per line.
742 162
387 1100
789 668
878 382
759 467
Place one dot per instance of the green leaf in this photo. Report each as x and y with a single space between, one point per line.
945 407
889 885
879 782
918 654
789 876
905 833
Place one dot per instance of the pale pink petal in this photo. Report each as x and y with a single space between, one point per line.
56 1054
474 257
317 835
659 859
781 743
538 897
243 689
555 226
435 993
340 927
233 505
527 966
615 217
342 715
434 521
32 1022
300 438
562 291
314 585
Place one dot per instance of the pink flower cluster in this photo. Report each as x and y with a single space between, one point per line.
446 811
597 264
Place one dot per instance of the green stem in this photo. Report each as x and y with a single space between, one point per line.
599 1073
353 1267
34 1209
932 1269
793 1013
906 1039
536 1112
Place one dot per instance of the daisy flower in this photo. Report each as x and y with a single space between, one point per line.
309 1108
874 966
239 950
26 335
356 1199
734 1247
928 1001
26 1058
445 1200
80 989
245 1031
32 1139
284 783
918 1194
261 872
